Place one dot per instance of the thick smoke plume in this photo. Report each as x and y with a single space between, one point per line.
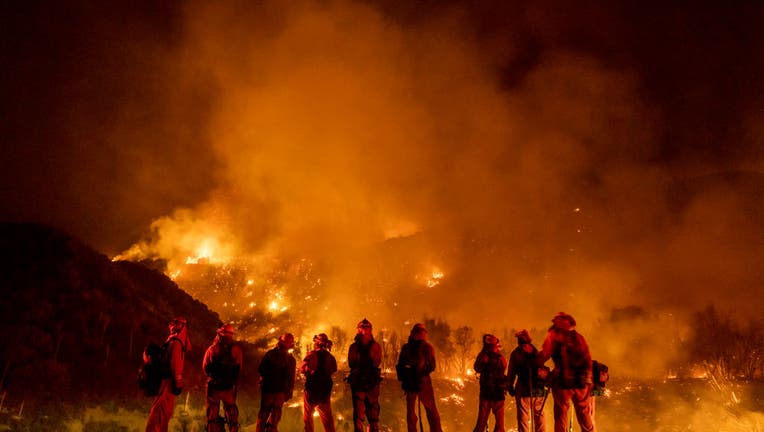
425 168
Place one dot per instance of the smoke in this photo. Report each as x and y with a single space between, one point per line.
389 153
491 167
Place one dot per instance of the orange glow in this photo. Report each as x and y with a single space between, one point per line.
434 278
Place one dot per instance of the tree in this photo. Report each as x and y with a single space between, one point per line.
439 335
726 349
339 339
464 338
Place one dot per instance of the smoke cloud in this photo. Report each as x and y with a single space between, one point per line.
491 178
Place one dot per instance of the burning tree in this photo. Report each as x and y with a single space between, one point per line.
726 349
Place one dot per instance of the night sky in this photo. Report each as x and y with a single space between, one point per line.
606 149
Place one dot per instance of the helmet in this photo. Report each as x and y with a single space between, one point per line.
177 324
523 337
364 323
322 340
489 339
563 321
225 330
286 340
418 328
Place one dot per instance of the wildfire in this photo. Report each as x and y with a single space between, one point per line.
434 278
457 380
454 398
275 306
204 253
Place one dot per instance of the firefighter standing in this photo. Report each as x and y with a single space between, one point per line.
491 365
277 372
164 404
525 385
571 378
364 358
222 364
421 355
318 367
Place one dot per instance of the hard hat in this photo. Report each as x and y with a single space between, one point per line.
489 339
225 330
322 340
419 328
563 321
523 337
364 323
286 340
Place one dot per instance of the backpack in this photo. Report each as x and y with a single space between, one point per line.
366 376
223 369
319 384
154 368
600 376
571 355
406 369
493 381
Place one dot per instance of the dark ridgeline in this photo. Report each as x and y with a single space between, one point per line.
74 323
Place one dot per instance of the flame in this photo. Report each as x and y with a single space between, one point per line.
435 276
454 398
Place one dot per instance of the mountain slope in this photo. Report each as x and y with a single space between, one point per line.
74 323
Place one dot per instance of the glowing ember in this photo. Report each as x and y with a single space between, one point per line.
434 278
454 399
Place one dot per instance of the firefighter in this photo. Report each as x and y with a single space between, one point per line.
420 356
571 378
177 345
318 367
491 365
525 385
222 364
277 372
364 358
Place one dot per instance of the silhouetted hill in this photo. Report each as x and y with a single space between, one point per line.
74 324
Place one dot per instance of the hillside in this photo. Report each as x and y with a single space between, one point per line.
74 323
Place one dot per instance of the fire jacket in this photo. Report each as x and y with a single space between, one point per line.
572 360
491 366
523 367
222 368
277 370
310 363
357 361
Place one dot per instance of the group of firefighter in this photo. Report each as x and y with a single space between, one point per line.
524 377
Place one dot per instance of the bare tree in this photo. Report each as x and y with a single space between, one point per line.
339 339
439 335
464 338
724 348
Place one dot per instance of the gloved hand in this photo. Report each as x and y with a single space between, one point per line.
511 391
176 388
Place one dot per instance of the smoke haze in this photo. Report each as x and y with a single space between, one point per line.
529 153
